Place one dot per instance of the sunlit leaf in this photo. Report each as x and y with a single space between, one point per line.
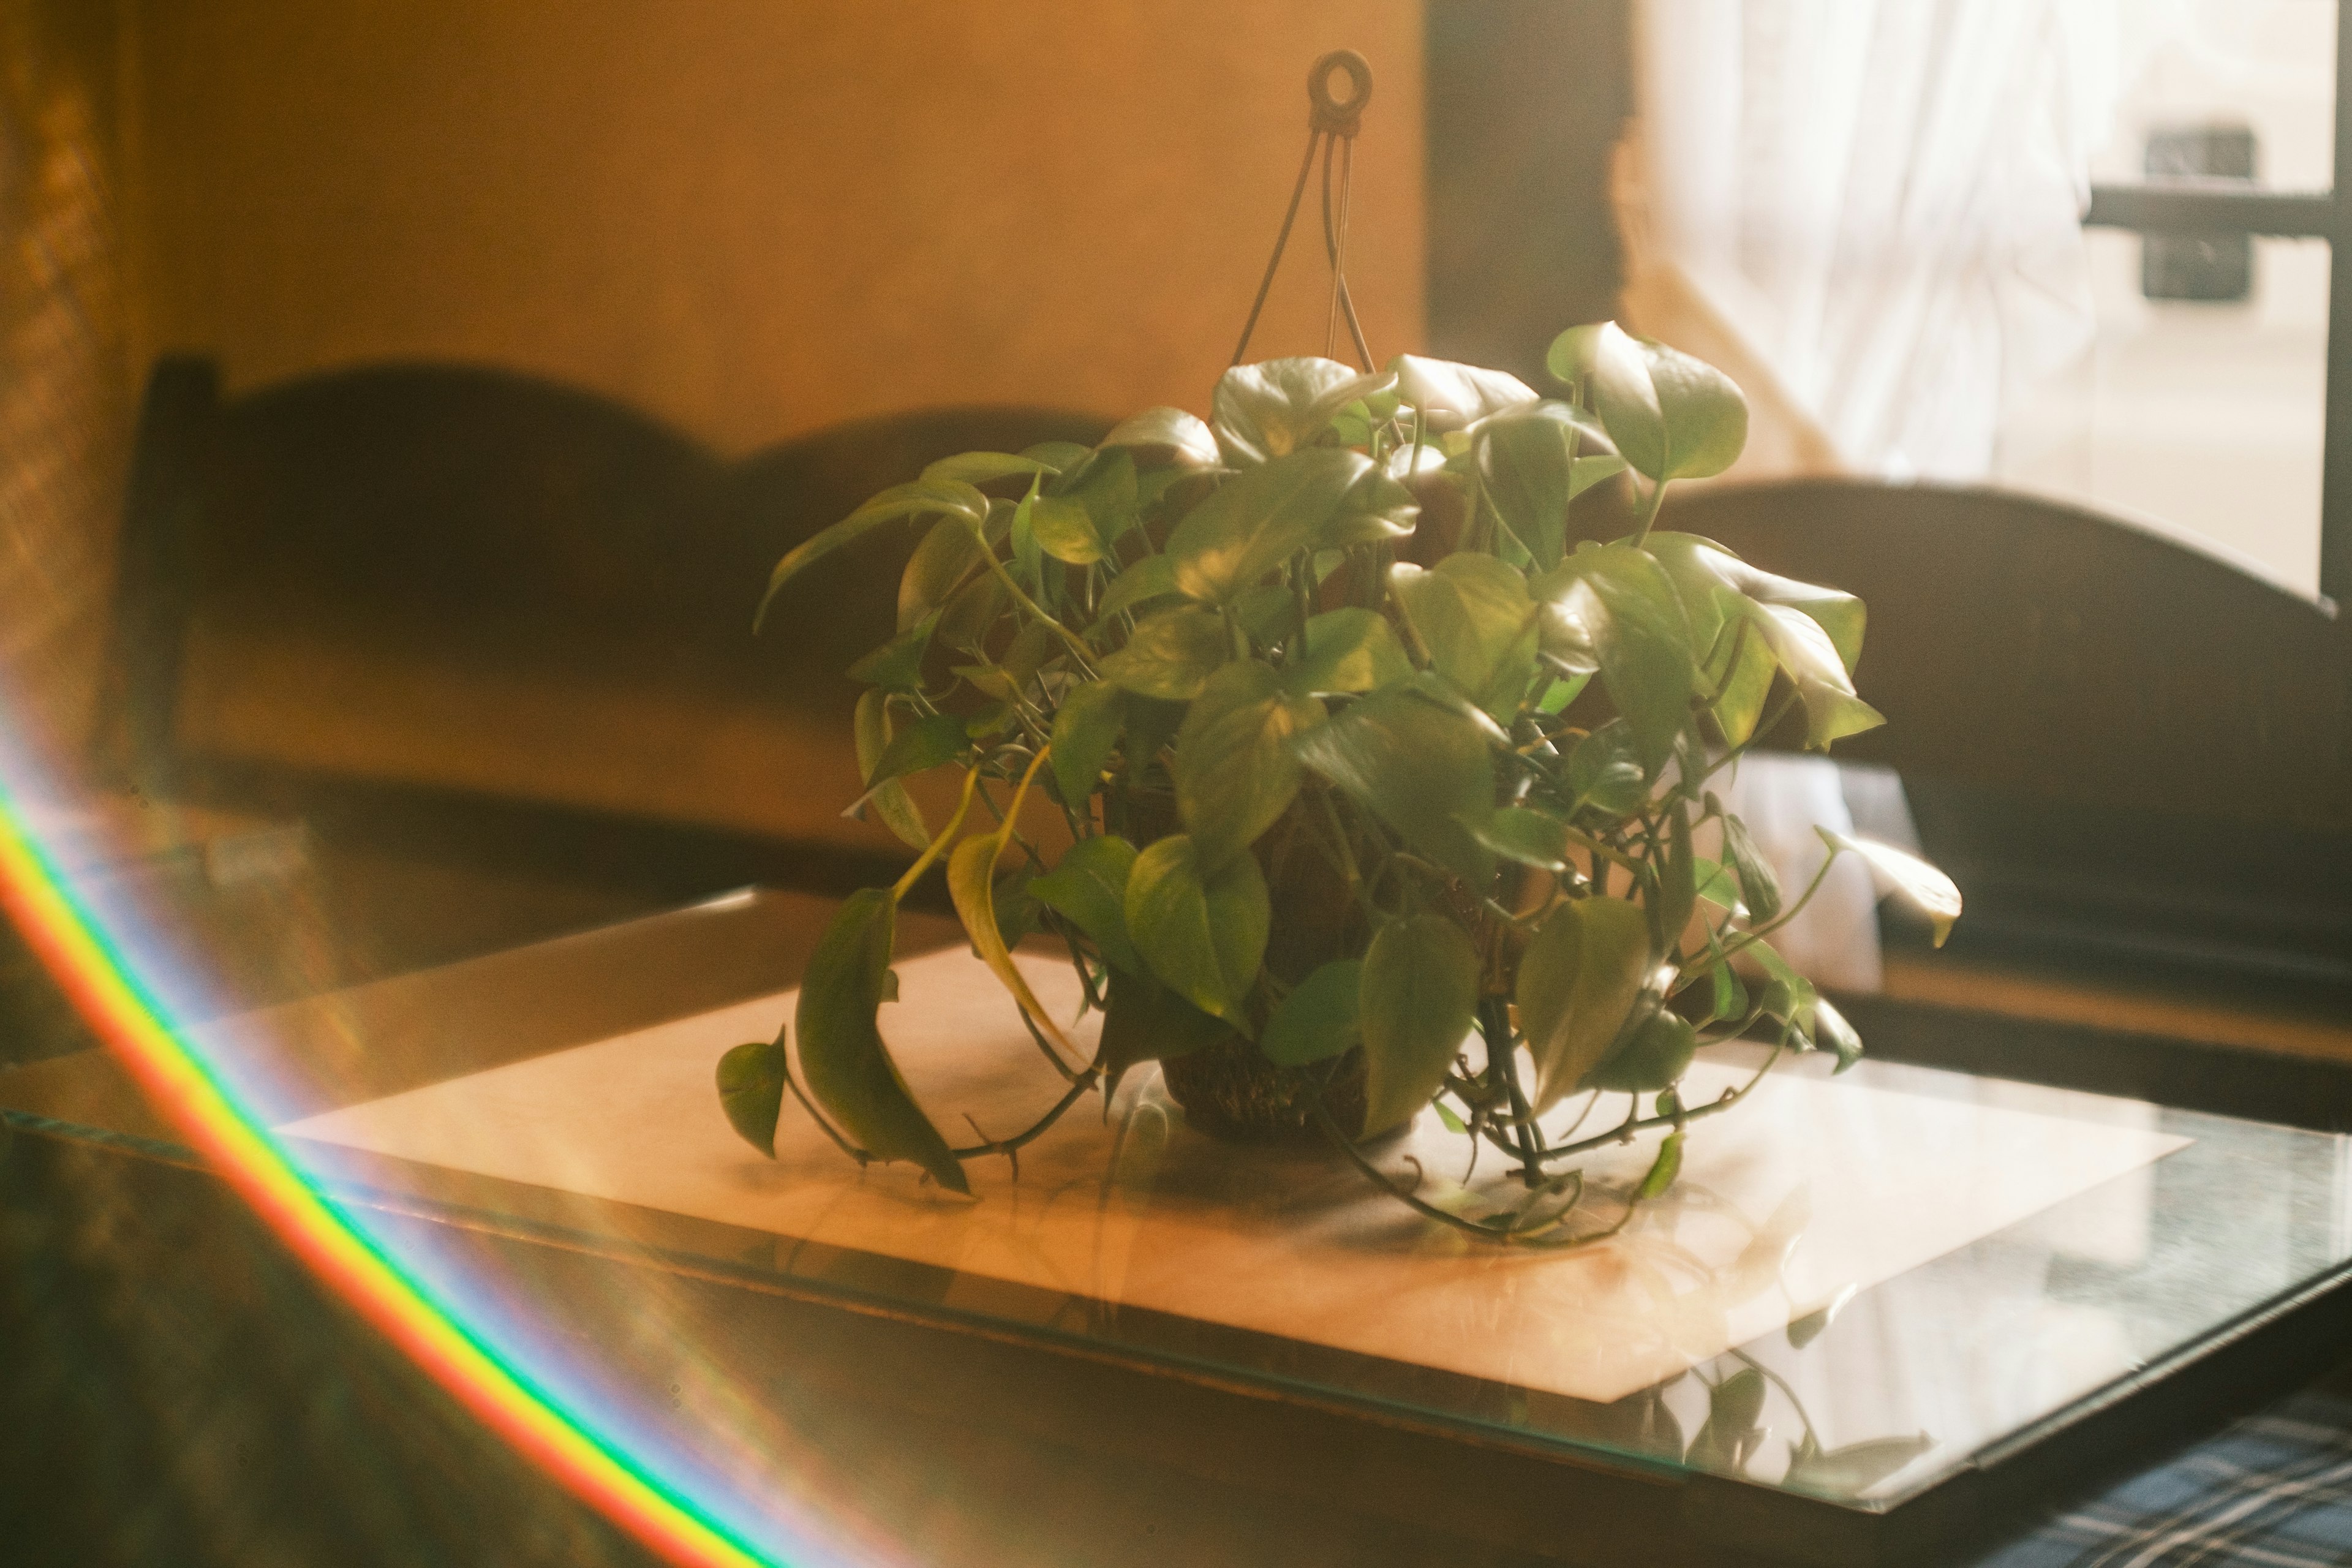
1065 531
971 884
848 1069
1630 612
1235 770
1153 577
1202 935
1416 766
1260 517
1831 1033
1473 614
1169 435
1604 774
1662 1170
1527 462
1347 650
1086 731
1417 991
1920 884
1269 410
1759 885
946 559
1172 654
1450 395
1671 415
1525 833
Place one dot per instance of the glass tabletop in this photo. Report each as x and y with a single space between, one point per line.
1861 1285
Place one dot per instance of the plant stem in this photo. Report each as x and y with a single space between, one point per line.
1649 513
1503 1057
1079 650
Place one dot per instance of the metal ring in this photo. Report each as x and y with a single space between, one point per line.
1339 119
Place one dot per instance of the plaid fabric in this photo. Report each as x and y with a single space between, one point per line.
2272 1491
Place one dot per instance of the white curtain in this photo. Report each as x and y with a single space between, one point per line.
1882 197
1880 202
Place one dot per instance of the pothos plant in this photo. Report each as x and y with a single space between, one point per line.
1370 773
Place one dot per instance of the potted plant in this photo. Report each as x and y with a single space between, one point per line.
1385 789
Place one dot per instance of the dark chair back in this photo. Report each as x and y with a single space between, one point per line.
2110 737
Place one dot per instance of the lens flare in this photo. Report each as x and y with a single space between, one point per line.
93 966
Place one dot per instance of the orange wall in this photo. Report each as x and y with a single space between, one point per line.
757 217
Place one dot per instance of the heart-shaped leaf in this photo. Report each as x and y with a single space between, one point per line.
1528 463
1578 982
1653 1056
1203 935
981 467
1347 650
1416 996
1153 577
1634 622
1450 396
944 562
849 1069
1065 530
1419 767
1759 885
1670 416
1172 654
1921 885
1088 887
1167 435
1261 412
1473 615
1260 517
751 1091
1235 769
926 743
1525 833
1317 1020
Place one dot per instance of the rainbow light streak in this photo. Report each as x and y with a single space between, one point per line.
102 985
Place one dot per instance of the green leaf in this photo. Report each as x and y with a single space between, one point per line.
1760 886
1574 354
1921 885
1855 1468
1153 577
981 468
1059 454
1065 530
947 556
751 1091
1697 564
1670 416
1375 510
849 1069
1832 711
1626 607
1662 1170
1656 1056
1831 1033
971 612
971 884
1604 772
870 730
1086 731
1172 654
1183 439
1416 996
1261 412
897 665
1235 770
1527 463
922 498
1105 489
1418 767
1317 1019
1790 996
925 743
1152 723
1203 935
1088 887
1525 833
1733 1409
1578 982
1260 517
1146 1022
1473 614
1742 685
1677 893
1450 395
1347 650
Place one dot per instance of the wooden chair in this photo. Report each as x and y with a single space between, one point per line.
2115 742
474 585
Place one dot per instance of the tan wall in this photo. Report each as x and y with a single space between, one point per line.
756 218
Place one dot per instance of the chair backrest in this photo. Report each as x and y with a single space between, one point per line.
2109 731
489 523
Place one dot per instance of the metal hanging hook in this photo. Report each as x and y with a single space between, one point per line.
1332 125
